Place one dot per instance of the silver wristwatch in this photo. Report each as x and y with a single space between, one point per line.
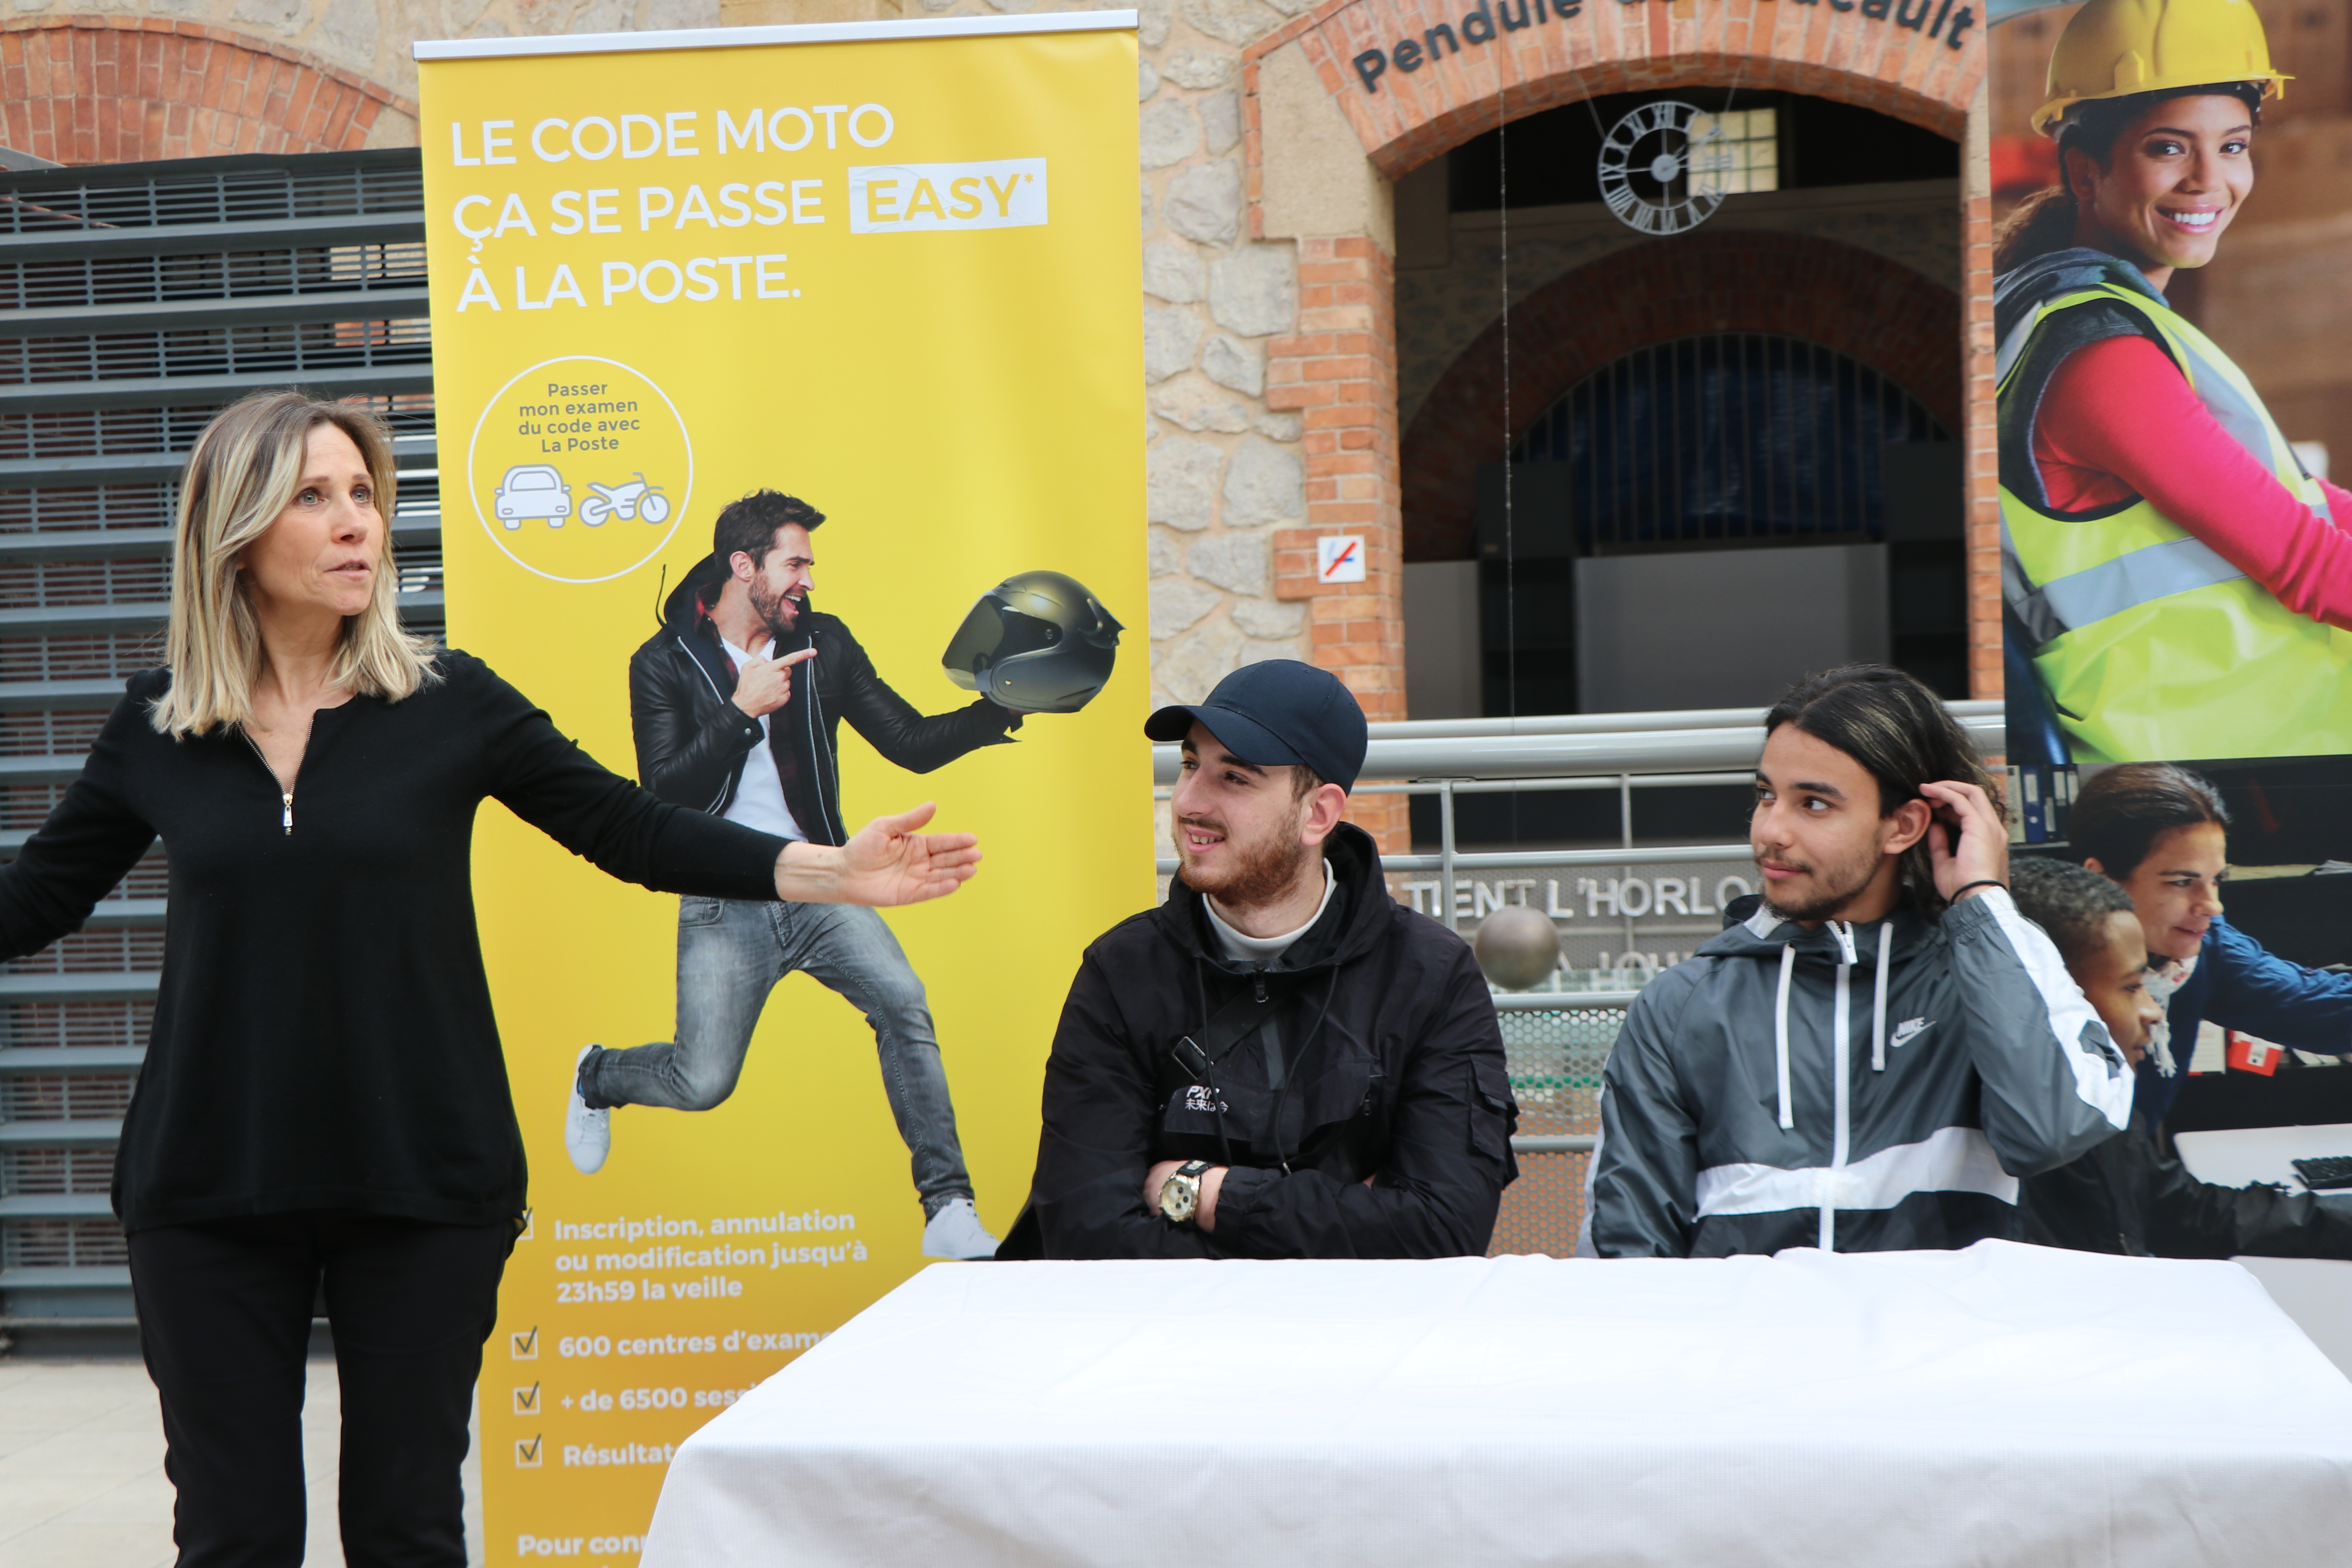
1179 1195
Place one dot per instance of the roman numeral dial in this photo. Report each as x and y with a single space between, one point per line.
1663 167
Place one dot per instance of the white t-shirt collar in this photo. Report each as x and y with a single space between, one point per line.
1260 951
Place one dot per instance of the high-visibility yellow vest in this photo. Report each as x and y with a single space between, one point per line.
2151 646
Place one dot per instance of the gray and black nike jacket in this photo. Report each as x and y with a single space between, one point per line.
1854 1087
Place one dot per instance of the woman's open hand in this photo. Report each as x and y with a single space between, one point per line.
885 863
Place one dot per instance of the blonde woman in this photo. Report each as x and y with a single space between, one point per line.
323 1102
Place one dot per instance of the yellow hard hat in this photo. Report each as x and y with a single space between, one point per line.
2114 48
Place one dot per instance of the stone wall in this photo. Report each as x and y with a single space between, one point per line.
1224 468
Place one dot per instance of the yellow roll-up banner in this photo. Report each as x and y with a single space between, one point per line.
888 271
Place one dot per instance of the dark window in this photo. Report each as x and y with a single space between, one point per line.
1554 155
1731 441
1727 439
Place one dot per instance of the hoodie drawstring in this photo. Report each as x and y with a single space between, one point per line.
1283 1094
1844 936
1217 1093
1878 1000
1781 1033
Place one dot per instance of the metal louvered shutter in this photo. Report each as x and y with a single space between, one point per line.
136 301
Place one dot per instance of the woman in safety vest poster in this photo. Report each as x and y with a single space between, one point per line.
2176 576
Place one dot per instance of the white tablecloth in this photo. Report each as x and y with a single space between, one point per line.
2315 1291
2002 1406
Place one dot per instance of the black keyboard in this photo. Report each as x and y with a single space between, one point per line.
2328 1171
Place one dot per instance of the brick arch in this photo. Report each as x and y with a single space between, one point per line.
1861 305
111 90
1878 54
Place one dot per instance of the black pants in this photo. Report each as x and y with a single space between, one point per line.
225 1324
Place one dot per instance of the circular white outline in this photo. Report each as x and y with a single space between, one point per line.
678 516
1698 204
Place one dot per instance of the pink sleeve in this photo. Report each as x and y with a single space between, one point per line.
2121 406
2339 504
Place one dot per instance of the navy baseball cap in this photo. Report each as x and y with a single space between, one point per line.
1278 713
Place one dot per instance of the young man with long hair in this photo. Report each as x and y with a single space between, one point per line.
1880 1046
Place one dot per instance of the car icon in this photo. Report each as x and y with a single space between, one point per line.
532 489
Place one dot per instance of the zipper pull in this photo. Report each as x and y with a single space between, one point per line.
289 819
1258 980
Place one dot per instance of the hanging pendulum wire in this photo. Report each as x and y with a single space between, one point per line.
1510 537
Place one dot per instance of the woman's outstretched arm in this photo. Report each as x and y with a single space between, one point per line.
544 777
885 862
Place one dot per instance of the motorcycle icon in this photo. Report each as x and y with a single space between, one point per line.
636 499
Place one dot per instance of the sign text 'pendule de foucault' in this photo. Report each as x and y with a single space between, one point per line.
1484 23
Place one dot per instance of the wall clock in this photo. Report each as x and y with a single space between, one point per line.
1662 167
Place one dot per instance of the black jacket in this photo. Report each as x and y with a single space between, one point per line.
2132 1195
692 739
1394 1069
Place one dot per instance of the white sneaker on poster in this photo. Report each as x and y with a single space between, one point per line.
956 1232
587 1134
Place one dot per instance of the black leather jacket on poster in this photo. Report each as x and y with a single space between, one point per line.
692 739
1394 1067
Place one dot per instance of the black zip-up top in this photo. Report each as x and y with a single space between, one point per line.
1391 1066
692 738
323 1037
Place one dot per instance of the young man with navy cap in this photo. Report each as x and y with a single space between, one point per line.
1281 1060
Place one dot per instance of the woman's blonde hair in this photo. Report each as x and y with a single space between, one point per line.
245 470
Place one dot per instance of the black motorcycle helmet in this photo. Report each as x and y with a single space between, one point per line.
1038 641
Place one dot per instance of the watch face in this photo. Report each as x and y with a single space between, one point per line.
1179 1197
1662 166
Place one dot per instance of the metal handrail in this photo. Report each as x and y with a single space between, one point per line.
1580 744
1617 723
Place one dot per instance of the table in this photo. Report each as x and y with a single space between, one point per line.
2315 1291
2241 1156
2003 1404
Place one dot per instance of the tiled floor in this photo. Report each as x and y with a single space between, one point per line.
81 1468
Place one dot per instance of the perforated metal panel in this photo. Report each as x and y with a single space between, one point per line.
1555 1060
136 301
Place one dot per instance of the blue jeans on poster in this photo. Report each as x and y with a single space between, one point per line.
730 954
